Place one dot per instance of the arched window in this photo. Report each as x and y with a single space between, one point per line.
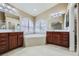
40 26
26 25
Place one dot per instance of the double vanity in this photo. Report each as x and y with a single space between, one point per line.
10 40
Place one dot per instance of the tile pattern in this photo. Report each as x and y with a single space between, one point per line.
43 50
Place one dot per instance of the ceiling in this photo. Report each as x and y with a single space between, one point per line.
34 9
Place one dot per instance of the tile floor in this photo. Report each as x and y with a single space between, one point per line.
43 50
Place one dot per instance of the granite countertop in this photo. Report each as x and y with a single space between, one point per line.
1 31
58 31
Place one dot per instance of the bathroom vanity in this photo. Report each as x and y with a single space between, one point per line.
10 40
60 38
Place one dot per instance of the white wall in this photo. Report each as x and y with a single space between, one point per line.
71 27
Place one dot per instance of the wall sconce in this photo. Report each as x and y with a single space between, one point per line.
57 14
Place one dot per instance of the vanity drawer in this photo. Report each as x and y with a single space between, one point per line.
3 39
2 35
3 48
3 43
13 34
20 33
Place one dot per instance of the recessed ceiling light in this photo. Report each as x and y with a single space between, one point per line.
3 4
34 9
1 7
13 9
9 7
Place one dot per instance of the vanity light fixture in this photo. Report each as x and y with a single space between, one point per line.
9 7
13 9
34 9
57 14
3 5
1 8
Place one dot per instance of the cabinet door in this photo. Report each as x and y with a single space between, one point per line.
3 42
60 38
65 39
49 37
12 40
3 48
20 39
55 38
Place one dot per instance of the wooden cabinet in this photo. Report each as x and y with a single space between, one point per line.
3 42
20 39
58 38
10 41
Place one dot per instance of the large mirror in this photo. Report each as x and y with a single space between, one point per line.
56 26
57 21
